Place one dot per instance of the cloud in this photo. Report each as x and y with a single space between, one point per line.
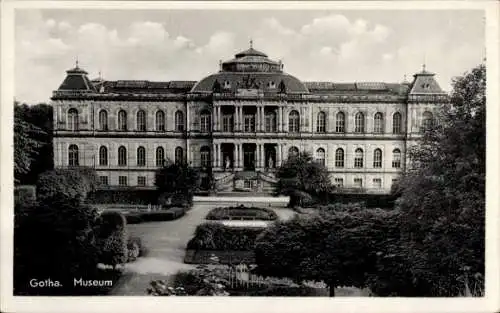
331 47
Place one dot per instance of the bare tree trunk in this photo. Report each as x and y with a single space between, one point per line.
331 286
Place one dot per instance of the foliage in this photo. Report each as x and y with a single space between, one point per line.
338 247
135 248
164 215
303 180
33 152
123 196
443 193
24 194
241 212
71 183
202 281
177 180
112 238
56 240
215 236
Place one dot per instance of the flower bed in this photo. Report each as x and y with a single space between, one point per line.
241 213
215 236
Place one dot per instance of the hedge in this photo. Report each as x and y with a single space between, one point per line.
123 196
164 215
241 213
215 236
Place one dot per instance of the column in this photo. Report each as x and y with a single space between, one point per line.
278 119
278 155
214 155
263 156
283 120
237 118
219 156
235 155
240 155
219 118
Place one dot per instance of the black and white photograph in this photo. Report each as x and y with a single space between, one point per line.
249 152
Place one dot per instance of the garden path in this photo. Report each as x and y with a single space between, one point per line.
165 242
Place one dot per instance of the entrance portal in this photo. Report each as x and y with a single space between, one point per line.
249 156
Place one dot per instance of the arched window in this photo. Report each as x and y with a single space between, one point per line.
205 122
396 158
378 123
160 156
270 122
122 120
320 156
160 121
73 158
179 121
73 119
122 156
321 122
358 158
103 156
340 122
359 123
396 123
377 158
205 156
293 152
179 155
103 120
141 156
141 120
339 157
427 120
293 122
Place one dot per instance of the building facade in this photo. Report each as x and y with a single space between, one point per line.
241 123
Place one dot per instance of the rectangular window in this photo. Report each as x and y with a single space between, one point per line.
141 181
104 180
358 182
249 123
377 183
227 123
122 180
339 182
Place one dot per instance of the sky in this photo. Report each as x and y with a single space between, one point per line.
163 45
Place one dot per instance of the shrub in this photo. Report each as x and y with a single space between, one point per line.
56 240
135 248
123 196
134 218
112 238
214 236
241 213
71 183
25 194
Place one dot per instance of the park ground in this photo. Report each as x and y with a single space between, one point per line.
165 242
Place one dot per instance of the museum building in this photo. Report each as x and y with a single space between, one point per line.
240 124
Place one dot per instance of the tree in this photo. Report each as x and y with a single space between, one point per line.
33 151
443 193
54 239
176 180
339 247
302 179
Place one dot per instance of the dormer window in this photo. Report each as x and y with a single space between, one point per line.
426 86
271 85
227 84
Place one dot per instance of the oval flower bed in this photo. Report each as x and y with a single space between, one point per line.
241 213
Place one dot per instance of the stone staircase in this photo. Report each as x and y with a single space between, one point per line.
225 182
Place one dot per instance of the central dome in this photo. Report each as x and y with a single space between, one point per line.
250 69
